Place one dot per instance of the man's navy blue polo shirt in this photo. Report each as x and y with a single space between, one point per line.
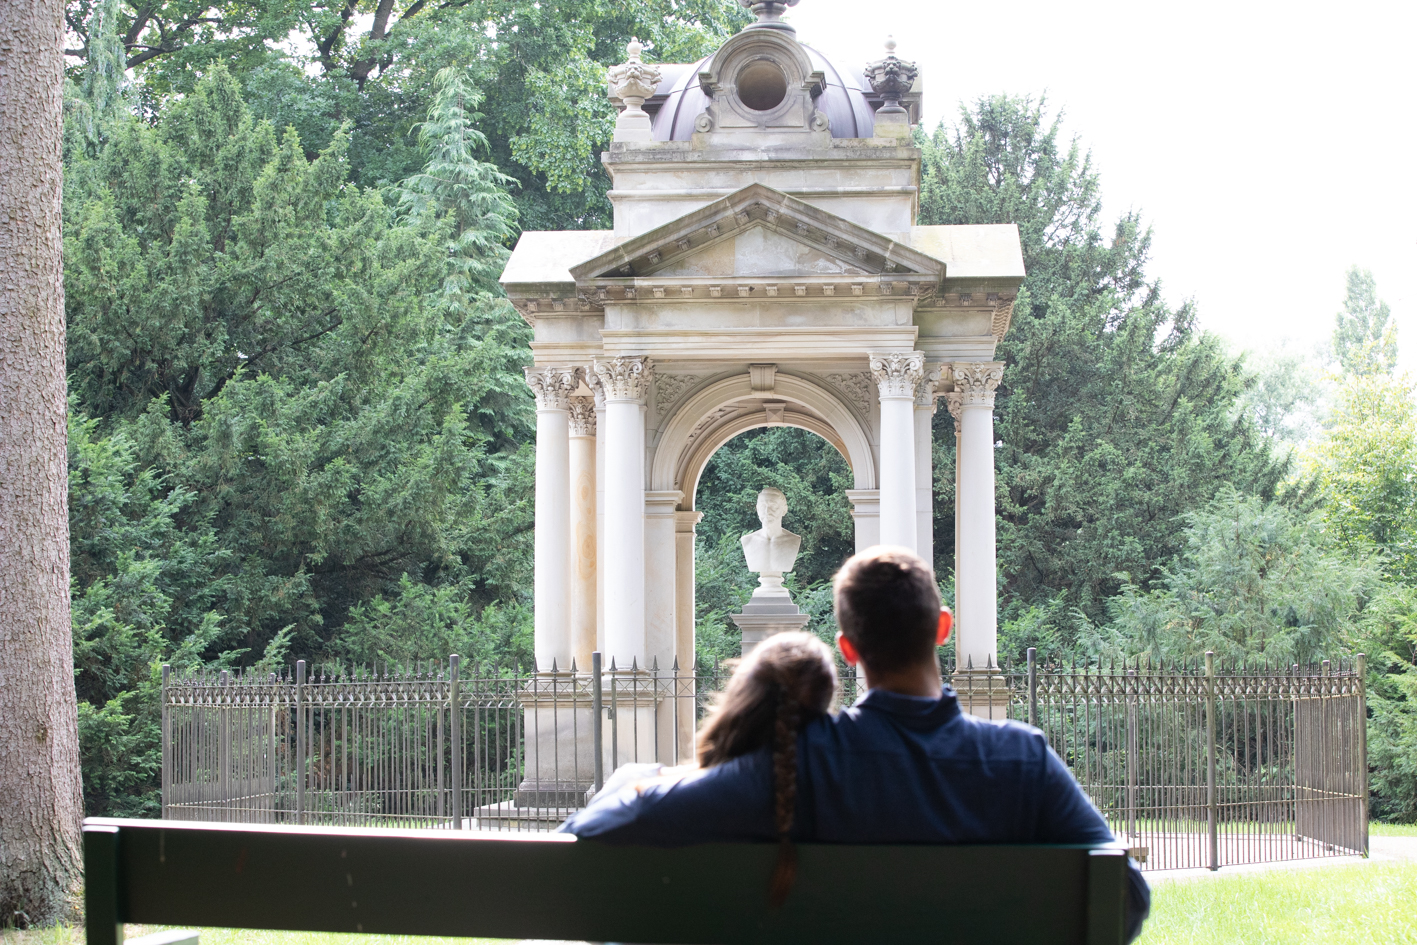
890 769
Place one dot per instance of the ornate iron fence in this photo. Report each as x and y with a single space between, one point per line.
1193 765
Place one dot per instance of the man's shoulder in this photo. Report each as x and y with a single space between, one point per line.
994 736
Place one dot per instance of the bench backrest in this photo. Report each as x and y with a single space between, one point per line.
551 886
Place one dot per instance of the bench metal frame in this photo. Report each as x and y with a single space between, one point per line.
552 886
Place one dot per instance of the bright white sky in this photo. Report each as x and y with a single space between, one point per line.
1270 145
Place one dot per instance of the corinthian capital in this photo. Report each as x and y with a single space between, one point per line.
553 385
977 381
582 416
954 404
897 374
625 378
929 387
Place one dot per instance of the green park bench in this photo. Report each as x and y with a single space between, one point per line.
552 886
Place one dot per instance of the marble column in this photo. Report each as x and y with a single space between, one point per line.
976 574
626 384
685 525
552 586
952 403
594 382
896 376
925 466
583 531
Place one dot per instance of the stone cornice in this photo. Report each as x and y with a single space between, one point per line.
898 374
625 378
582 415
975 382
553 385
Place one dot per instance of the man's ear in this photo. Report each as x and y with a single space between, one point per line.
848 651
946 622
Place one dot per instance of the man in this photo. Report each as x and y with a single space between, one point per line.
903 765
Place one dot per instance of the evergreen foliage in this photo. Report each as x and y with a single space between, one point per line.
1257 581
291 437
1116 416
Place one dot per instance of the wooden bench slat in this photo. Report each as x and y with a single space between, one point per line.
554 887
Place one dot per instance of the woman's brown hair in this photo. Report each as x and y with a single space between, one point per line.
786 681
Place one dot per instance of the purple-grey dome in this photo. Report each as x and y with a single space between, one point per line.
841 101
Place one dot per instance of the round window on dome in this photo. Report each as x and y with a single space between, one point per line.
761 85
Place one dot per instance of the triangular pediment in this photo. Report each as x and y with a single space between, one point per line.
758 232
758 250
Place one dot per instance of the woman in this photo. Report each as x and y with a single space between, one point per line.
786 683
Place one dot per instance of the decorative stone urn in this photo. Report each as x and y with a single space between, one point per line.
891 78
632 82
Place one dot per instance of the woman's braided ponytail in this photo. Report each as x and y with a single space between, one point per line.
787 680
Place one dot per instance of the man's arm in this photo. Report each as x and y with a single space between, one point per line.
1067 815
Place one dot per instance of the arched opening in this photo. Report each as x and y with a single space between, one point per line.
814 476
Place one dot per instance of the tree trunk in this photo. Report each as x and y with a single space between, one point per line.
40 799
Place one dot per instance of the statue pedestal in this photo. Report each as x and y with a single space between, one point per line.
765 615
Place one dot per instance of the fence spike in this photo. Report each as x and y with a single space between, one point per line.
655 668
573 664
634 664
612 664
676 663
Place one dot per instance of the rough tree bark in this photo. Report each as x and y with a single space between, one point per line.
40 799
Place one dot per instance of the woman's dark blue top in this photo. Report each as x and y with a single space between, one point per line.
890 769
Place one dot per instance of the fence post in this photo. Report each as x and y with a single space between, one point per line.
455 736
1212 807
300 741
1362 733
166 740
1133 750
597 705
1033 686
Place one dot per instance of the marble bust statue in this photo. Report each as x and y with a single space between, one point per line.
772 550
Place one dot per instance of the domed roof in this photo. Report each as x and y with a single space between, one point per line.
841 101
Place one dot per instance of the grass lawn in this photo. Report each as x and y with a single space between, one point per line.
1392 830
1344 905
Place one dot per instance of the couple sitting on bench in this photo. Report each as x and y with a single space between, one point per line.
903 765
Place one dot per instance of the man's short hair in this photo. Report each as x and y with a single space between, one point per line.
888 606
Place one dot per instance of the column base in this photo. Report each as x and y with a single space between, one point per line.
758 627
983 693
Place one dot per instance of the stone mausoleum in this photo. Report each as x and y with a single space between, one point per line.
765 268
